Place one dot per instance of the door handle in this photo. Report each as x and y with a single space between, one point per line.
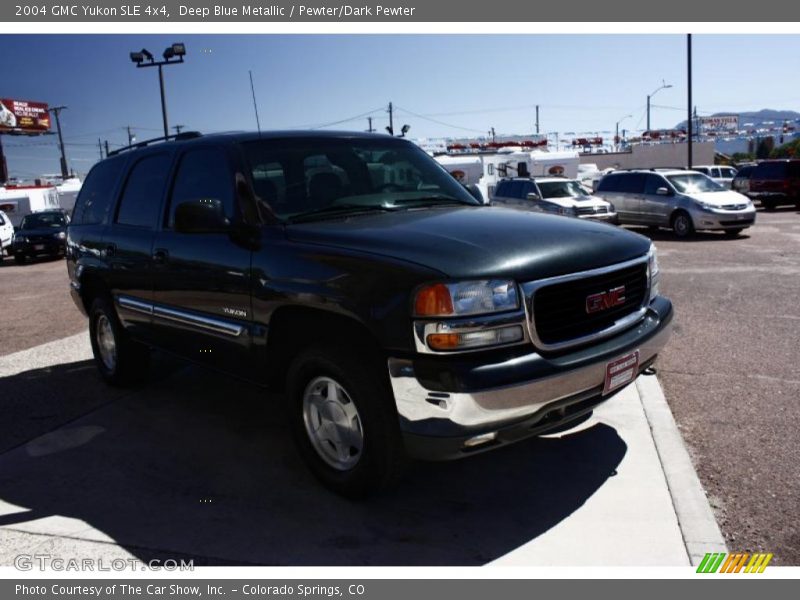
160 256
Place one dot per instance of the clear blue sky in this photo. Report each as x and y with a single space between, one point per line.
583 83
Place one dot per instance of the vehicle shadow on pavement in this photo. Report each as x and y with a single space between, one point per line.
665 235
197 465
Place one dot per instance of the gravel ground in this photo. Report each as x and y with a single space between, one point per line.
730 375
729 372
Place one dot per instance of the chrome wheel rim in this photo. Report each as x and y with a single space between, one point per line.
332 423
106 344
681 225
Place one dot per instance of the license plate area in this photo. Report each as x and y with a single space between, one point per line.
621 372
38 246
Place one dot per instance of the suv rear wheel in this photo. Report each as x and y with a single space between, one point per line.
344 421
120 360
682 224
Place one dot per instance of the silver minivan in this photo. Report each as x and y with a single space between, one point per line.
682 200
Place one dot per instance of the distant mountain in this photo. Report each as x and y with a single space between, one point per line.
765 114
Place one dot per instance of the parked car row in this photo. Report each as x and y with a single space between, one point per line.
39 234
682 200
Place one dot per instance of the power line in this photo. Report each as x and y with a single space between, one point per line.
419 116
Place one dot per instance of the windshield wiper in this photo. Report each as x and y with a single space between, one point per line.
428 200
337 209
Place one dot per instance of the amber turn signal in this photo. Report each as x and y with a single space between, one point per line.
434 301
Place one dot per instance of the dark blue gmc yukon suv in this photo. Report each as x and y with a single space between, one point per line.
399 316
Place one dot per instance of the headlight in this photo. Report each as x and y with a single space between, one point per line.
21 239
653 272
567 211
60 235
611 207
466 298
707 207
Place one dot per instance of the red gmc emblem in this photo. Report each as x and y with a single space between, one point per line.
605 300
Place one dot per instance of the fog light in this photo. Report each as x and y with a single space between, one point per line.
481 439
475 339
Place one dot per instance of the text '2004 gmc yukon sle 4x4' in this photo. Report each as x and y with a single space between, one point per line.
401 317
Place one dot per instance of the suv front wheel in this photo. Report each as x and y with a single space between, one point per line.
344 421
120 360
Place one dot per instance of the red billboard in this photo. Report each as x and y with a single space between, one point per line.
22 116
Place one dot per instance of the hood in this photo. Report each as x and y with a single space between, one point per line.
720 198
578 201
476 242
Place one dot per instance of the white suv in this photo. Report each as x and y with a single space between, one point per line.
6 232
556 195
721 174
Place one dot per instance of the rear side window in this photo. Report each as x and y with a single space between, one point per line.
770 170
514 189
91 206
141 200
630 183
203 174
502 189
609 183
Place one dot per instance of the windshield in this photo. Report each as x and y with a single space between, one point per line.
43 221
693 183
312 177
562 189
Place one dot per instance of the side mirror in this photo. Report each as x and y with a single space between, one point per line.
533 197
206 215
662 191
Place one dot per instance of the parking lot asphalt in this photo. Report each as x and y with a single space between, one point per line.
729 375
194 465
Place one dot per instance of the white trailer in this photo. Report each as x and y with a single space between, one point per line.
20 200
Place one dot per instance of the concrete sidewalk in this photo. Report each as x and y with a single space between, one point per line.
197 465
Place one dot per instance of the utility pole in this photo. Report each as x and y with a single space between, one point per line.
370 130
100 147
178 128
689 100
493 136
131 136
390 128
537 119
56 110
106 148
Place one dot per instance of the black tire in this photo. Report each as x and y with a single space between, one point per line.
682 225
734 232
769 205
381 460
19 259
131 359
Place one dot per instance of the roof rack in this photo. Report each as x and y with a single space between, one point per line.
185 135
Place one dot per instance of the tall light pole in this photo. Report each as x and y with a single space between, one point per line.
56 110
172 55
663 86
616 135
689 158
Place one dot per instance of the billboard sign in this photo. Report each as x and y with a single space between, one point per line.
726 123
22 116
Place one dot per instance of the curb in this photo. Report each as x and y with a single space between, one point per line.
699 528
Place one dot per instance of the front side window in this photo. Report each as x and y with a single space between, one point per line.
96 192
652 183
302 178
694 183
203 174
141 199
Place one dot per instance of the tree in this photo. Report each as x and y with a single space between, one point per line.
789 150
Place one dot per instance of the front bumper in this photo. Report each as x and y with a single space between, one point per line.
445 402
720 220
602 217
39 248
